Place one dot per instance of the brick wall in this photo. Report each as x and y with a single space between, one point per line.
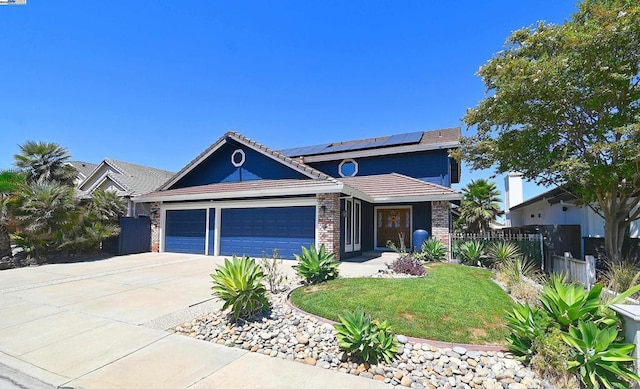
440 213
329 222
154 214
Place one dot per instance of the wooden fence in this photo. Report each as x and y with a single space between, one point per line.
530 244
576 269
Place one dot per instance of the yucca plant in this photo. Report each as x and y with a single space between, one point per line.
433 250
600 361
620 276
238 283
316 266
513 271
471 253
364 338
503 251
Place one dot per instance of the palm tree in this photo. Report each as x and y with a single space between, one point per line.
10 182
46 162
47 209
480 205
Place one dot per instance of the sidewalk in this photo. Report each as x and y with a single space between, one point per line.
102 324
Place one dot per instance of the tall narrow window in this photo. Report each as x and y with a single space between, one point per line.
357 206
348 224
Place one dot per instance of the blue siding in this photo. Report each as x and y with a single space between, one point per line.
185 231
432 166
257 231
218 168
212 230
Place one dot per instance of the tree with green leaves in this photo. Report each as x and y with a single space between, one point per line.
480 206
563 108
46 162
10 183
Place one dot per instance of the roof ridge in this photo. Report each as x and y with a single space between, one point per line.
137 164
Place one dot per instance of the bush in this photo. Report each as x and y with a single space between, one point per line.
366 339
316 266
551 359
526 324
238 283
273 272
621 276
514 271
406 264
433 250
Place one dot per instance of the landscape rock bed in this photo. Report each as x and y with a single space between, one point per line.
290 334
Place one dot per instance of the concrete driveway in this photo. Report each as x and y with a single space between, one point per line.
102 324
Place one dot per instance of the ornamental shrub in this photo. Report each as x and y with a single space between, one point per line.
406 264
366 339
316 266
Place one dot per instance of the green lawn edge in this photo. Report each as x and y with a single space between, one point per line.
453 303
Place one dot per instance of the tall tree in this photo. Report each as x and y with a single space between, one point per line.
563 108
46 162
10 182
480 205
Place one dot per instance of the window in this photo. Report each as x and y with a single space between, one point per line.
237 158
348 168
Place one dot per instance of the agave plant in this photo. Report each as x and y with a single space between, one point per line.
316 265
568 302
364 338
238 283
526 324
471 253
433 250
599 360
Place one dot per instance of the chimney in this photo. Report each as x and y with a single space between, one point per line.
512 193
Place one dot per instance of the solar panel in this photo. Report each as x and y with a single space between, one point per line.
394 140
404 139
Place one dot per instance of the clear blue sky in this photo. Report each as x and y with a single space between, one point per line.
156 82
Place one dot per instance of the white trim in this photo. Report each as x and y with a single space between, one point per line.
375 224
417 199
101 181
348 232
380 151
301 190
357 227
242 159
348 160
161 229
206 232
216 236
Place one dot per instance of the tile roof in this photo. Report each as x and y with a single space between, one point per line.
395 187
135 179
242 189
85 168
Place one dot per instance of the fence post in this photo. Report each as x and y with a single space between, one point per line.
591 270
542 250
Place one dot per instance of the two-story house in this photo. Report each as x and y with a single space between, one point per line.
241 197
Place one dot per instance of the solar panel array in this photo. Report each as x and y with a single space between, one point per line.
394 140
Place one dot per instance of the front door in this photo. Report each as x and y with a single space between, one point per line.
393 224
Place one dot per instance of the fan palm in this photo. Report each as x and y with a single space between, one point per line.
46 162
10 183
480 205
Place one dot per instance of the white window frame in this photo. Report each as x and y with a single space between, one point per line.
345 161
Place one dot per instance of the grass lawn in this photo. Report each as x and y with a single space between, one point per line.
453 303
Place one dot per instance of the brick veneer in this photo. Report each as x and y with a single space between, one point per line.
440 212
155 226
329 222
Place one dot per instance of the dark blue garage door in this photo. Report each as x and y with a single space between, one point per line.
257 231
185 231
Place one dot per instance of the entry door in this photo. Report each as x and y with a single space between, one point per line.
392 224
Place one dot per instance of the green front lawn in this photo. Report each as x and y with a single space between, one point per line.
453 303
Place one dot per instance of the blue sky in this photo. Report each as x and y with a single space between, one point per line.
156 82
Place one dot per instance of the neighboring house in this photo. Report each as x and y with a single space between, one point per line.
555 208
127 179
83 168
240 197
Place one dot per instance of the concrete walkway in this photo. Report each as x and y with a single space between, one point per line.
102 324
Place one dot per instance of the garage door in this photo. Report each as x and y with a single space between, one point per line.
185 231
257 231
